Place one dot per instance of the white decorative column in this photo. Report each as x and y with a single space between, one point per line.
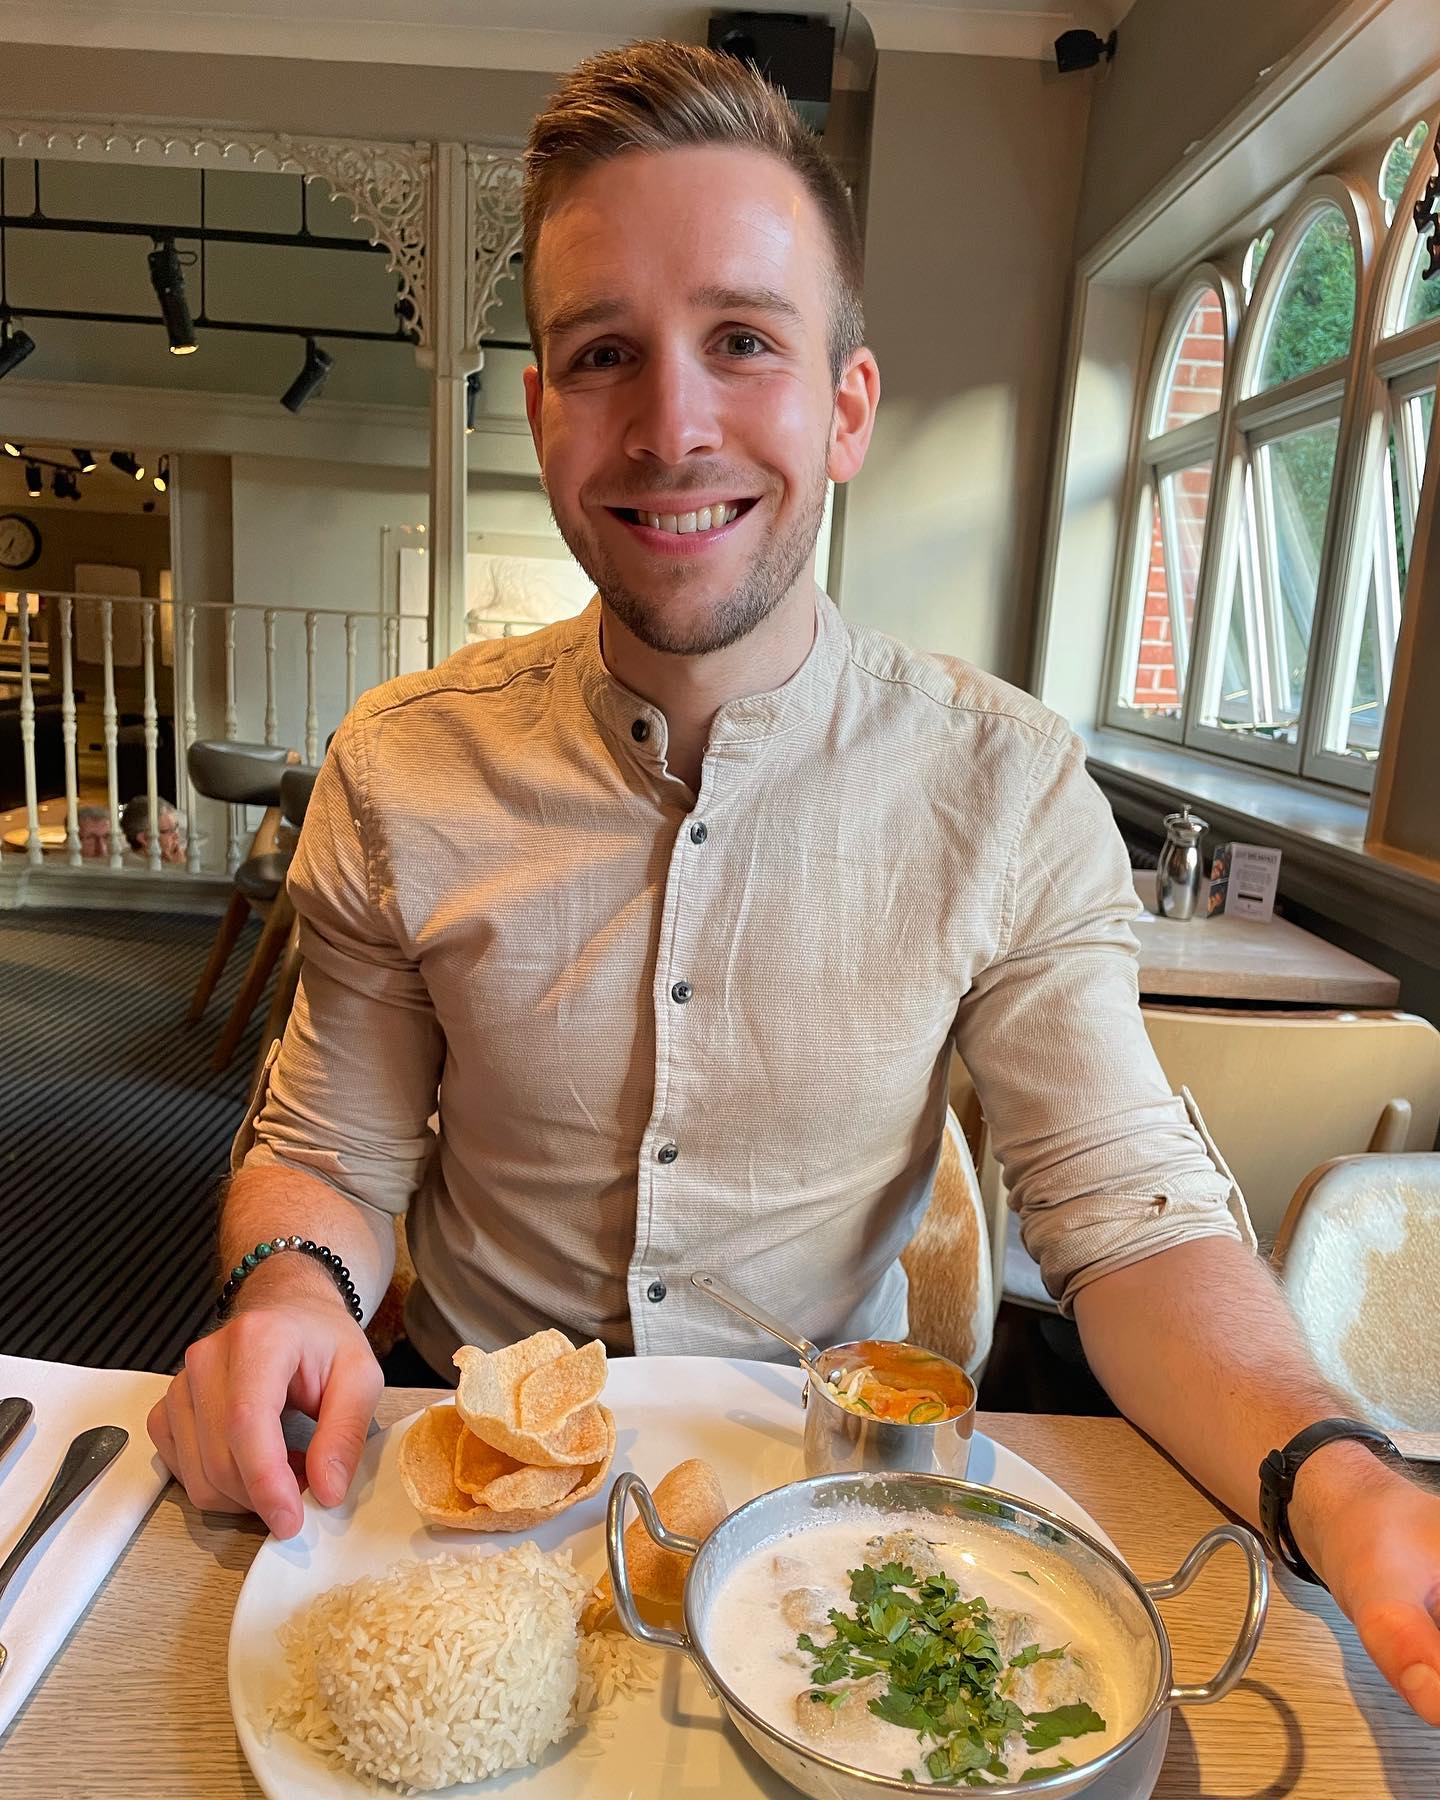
451 357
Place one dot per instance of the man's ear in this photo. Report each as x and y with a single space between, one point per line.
534 393
853 419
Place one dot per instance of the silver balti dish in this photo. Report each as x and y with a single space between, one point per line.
1138 1631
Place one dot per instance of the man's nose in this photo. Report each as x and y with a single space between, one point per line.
676 412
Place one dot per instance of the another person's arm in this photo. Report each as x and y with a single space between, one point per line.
335 1145
1140 1232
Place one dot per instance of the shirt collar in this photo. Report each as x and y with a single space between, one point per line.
751 718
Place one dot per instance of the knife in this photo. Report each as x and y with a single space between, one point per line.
15 1415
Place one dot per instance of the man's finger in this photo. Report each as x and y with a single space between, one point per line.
258 1379
1405 1644
346 1409
180 1416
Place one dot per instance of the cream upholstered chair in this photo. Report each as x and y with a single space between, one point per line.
1359 1255
1279 1092
952 1295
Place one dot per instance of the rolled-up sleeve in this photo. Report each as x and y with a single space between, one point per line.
350 1092
1104 1164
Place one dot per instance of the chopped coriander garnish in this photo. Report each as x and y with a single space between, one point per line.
944 1672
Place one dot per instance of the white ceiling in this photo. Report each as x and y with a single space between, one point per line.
534 34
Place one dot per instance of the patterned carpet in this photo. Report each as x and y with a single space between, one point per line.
113 1133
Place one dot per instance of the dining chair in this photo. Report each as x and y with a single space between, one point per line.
296 786
239 774
1358 1253
948 1262
1279 1092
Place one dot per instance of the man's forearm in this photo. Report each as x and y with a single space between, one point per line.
1198 1348
275 1201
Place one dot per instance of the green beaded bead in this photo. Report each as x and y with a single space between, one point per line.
262 1249
251 1261
237 1273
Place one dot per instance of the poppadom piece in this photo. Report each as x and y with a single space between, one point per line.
553 1393
427 1468
477 1463
690 1501
489 1399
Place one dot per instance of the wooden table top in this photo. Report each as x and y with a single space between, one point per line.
1240 959
135 1705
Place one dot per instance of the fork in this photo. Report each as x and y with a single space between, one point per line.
15 1415
88 1457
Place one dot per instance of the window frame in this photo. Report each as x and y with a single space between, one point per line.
1388 365
1153 457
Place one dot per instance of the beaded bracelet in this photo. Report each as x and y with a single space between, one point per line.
322 1253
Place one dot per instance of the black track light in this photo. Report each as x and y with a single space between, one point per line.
65 485
472 401
127 464
15 346
310 380
168 280
86 460
162 475
34 485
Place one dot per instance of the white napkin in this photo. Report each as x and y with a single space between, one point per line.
58 1579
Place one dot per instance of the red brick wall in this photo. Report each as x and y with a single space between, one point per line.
1194 391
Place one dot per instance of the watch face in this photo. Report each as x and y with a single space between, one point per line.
19 542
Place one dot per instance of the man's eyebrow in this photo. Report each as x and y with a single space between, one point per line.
746 299
581 314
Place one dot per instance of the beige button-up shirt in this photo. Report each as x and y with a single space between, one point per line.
667 1031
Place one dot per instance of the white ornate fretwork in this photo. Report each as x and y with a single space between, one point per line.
494 183
386 185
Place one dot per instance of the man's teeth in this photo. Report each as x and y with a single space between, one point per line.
706 519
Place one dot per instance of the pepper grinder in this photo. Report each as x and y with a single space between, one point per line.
1177 878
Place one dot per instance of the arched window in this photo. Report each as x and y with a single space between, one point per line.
1292 365
1173 499
1372 572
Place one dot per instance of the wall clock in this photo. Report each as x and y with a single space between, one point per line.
19 542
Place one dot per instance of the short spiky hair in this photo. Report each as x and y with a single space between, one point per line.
664 96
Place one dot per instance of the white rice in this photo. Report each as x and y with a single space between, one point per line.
452 1669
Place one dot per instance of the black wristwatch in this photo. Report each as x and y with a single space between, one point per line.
1277 1483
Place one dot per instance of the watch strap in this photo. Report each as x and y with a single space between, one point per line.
1277 1483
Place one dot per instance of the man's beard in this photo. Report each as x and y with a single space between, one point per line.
772 572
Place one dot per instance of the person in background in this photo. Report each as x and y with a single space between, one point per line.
93 825
673 914
135 823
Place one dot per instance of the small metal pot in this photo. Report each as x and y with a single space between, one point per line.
838 1441
1140 1631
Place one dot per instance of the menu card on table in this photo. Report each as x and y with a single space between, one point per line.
58 1579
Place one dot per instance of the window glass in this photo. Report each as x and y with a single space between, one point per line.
1191 388
1314 311
1420 300
1399 161
1167 611
1272 597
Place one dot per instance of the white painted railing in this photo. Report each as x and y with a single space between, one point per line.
282 674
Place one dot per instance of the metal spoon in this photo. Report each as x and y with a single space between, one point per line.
89 1456
15 1415
747 1309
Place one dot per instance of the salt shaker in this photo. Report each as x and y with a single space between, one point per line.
1177 879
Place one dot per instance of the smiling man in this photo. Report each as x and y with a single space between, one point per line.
672 916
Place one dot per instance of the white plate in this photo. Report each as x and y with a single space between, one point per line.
745 1419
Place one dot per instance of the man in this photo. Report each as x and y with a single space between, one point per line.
135 823
679 908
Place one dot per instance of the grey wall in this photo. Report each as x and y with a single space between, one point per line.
1180 67
968 212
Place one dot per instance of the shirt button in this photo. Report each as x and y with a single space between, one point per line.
640 730
655 1293
699 833
681 992
667 1153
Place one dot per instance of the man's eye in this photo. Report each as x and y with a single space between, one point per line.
603 356
743 344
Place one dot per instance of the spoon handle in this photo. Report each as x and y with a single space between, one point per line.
747 1309
15 1415
90 1455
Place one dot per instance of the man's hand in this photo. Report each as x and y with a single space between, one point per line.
218 1427
1378 1549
